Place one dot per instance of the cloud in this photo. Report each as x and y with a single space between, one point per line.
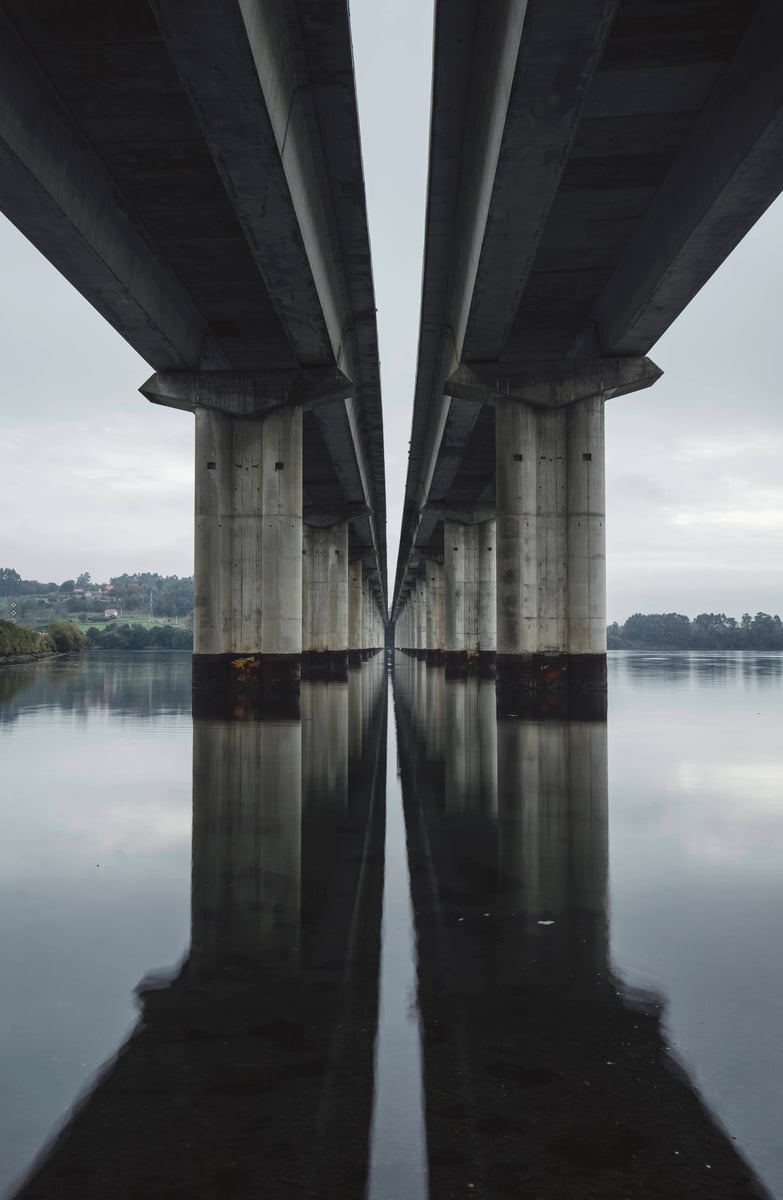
104 496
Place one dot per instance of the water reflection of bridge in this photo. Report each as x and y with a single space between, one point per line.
251 1071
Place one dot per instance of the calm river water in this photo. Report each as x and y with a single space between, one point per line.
398 948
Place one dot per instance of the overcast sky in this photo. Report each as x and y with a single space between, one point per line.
95 478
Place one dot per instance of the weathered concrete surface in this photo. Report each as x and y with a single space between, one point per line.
248 545
325 616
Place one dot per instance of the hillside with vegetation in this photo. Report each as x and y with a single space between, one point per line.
61 637
133 611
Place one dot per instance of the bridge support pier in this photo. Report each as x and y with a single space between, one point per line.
487 596
367 604
247 620
421 618
551 557
434 624
469 555
325 615
355 611
454 563
550 514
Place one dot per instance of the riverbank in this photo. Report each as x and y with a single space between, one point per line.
18 660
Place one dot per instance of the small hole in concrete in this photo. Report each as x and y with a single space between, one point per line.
279 466
587 458
517 458
211 466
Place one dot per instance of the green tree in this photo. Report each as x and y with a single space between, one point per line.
9 581
84 580
65 636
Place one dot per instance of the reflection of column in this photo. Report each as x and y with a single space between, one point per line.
247 808
487 738
537 1066
324 748
433 726
255 1061
460 744
552 819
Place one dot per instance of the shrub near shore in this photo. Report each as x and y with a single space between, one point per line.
62 637
16 640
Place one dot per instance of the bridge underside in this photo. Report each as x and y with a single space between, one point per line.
580 193
195 172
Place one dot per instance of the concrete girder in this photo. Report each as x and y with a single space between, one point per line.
552 384
728 172
57 191
221 73
551 76
247 393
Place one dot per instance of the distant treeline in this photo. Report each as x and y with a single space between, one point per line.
142 591
707 631
139 637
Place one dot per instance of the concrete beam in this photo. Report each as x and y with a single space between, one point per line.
466 514
247 393
553 384
728 172
208 44
57 192
321 518
557 57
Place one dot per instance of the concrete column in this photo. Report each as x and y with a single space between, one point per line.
454 597
355 613
325 601
434 612
366 603
247 620
517 523
487 602
552 573
551 594
325 711
471 595
586 534
421 617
